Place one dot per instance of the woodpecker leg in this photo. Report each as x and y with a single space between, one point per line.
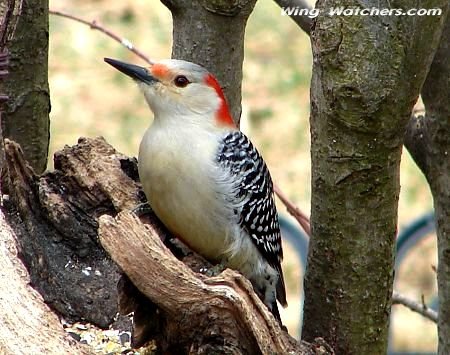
272 306
265 288
142 209
215 270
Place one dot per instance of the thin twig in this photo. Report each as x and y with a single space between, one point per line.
96 26
414 306
303 21
294 210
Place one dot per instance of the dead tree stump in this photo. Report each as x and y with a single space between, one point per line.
64 221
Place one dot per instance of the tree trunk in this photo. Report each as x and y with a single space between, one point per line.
211 33
428 141
367 75
26 114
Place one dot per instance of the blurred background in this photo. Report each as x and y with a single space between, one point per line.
89 98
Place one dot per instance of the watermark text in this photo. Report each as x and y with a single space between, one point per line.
356 11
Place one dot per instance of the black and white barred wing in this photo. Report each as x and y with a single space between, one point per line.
254 195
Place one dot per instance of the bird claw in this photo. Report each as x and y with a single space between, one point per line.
142 209
213 271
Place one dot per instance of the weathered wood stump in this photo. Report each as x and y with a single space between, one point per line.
64 221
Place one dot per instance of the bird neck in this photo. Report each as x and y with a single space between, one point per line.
195 123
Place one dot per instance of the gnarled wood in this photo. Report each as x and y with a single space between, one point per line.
27 325
203 314
55 217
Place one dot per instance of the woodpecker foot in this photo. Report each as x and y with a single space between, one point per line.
214 271
142 209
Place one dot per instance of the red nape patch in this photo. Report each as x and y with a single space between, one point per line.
223 115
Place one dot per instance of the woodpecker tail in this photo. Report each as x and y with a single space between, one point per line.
276 314
281 296
281 288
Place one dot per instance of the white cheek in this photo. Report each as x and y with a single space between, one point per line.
202 100
195 103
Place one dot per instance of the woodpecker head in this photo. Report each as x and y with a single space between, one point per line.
177 88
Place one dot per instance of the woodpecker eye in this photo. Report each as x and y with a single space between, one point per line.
181 81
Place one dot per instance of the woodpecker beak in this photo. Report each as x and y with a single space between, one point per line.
134 71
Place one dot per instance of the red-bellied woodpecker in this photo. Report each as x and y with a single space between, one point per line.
203 177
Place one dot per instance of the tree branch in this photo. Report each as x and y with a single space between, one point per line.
294 210
55 219
5 27
96 26
189 300
303 21
421 308
172 305
25 116
428 141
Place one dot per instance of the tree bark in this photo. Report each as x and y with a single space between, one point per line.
211 33
203 315
54 219
27 325
367 75
26 114
428 141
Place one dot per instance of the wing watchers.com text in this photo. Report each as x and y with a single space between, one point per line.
356 11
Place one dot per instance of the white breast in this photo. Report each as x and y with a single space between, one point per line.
179 177
190 194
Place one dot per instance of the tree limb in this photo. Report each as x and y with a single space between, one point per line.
54 217
180 310
428 141
204 309
293 210
416 140
25 116
96 26
421 308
